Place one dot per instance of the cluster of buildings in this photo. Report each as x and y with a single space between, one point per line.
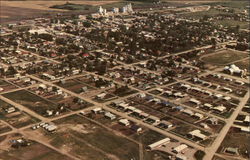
127 9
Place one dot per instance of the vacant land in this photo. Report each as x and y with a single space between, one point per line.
81 134
224 57
244 64
35 151
17 119
30 100
235 138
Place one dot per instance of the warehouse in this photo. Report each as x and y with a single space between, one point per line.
159 143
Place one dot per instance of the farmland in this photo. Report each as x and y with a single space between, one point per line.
17 10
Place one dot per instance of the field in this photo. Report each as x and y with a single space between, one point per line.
17 119
32 101
224 57
12 11
238 6
35 151
45 5
6 86
85 137
235 138
244 64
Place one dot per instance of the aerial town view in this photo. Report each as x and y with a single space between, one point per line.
124 80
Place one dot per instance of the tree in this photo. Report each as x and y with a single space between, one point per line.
199 155
11 70
213 42
237 28
45 36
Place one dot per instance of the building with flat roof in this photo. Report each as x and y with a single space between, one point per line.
158 143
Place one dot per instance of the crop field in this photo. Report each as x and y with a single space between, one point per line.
12 11
45 5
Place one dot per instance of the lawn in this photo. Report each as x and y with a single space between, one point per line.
224 57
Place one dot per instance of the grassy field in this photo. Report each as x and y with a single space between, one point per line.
95 138
224 57
238 6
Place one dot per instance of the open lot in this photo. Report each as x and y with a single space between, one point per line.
6 86
4 127
235 139
224 57
81 133
35 151
17 118
30 100
243 64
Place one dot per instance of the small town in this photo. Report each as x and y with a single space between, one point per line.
168 81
